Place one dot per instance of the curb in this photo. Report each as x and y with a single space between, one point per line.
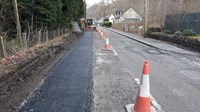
147 44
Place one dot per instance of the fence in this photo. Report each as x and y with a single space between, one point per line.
179 22
11 46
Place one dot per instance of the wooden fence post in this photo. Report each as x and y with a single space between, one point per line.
47 36
39 37
54 34
18 26
2 46
25 44
62 31
58 32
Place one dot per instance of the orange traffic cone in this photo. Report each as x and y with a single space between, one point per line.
107 46
99 31
142 103
101 34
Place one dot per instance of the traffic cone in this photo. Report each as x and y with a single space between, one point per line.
142 103
98 31
101 35
107 46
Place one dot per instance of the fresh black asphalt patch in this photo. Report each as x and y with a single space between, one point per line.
67 87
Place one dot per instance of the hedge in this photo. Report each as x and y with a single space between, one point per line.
184 41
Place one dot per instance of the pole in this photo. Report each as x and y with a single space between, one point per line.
3 54
146 16
18 27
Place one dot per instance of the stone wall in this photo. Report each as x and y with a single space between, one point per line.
136 28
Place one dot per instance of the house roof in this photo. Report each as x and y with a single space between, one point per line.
126 11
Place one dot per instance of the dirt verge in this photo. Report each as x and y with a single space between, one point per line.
20 74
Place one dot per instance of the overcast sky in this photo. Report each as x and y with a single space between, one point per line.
91 2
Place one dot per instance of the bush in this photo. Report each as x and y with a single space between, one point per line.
107 24
168 32
188 32
106 19
153 29
178 33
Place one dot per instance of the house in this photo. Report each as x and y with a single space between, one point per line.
118 14
130 16
111 18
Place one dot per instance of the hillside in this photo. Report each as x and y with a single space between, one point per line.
158 9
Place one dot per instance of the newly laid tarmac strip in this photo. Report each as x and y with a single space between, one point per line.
68 85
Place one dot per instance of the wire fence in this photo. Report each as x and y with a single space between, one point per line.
28 39
179 22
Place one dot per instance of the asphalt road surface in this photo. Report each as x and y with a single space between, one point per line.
174 72
90 79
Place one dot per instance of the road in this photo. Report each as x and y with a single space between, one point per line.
90 79
174 73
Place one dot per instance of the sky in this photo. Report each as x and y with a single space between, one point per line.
91 2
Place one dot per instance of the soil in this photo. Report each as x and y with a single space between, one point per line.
21 73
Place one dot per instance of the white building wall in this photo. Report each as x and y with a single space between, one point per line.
111 18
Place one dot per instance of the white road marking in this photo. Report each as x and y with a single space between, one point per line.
197 63
115 53
137 80
104 54
156 104
99 61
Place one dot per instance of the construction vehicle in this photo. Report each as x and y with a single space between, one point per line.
91 23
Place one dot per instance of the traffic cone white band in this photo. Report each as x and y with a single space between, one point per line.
107 41
144 86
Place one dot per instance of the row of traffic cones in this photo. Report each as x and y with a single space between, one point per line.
142 103
107 46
